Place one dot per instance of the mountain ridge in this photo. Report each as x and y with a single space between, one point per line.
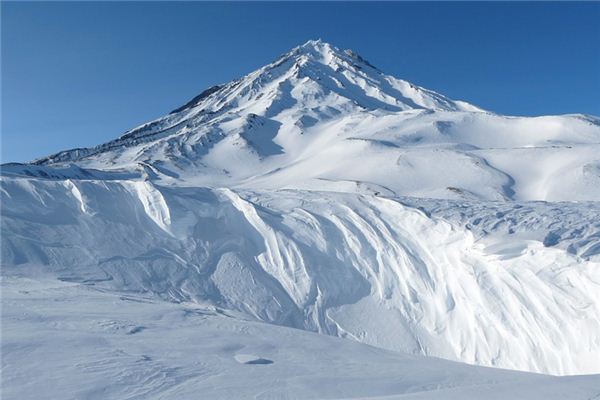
303 58
299 121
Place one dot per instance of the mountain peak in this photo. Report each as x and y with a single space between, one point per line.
314 43
314 81
326 53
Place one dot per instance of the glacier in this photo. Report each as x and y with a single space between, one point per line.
320 194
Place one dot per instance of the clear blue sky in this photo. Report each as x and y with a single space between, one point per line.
79 74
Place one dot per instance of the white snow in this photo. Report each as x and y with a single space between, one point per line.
315 193
364 267
67 341
319 114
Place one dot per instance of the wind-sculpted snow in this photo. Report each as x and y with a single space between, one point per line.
357 266
574 227
317 193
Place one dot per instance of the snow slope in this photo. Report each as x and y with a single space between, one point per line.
68 341
319 193
358 266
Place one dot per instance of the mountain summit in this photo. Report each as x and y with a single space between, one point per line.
314 80
322 118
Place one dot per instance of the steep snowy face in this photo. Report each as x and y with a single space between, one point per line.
317 76
360 267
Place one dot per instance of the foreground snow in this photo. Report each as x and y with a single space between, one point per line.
71 341
363 267
315 193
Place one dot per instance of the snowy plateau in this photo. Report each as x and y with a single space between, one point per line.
316 229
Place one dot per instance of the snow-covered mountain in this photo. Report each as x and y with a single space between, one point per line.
324 119
319 193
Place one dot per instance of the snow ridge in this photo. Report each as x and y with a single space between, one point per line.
354 266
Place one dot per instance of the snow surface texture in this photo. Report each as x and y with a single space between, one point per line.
68 341
357 266
319 193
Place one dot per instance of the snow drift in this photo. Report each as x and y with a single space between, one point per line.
363 267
